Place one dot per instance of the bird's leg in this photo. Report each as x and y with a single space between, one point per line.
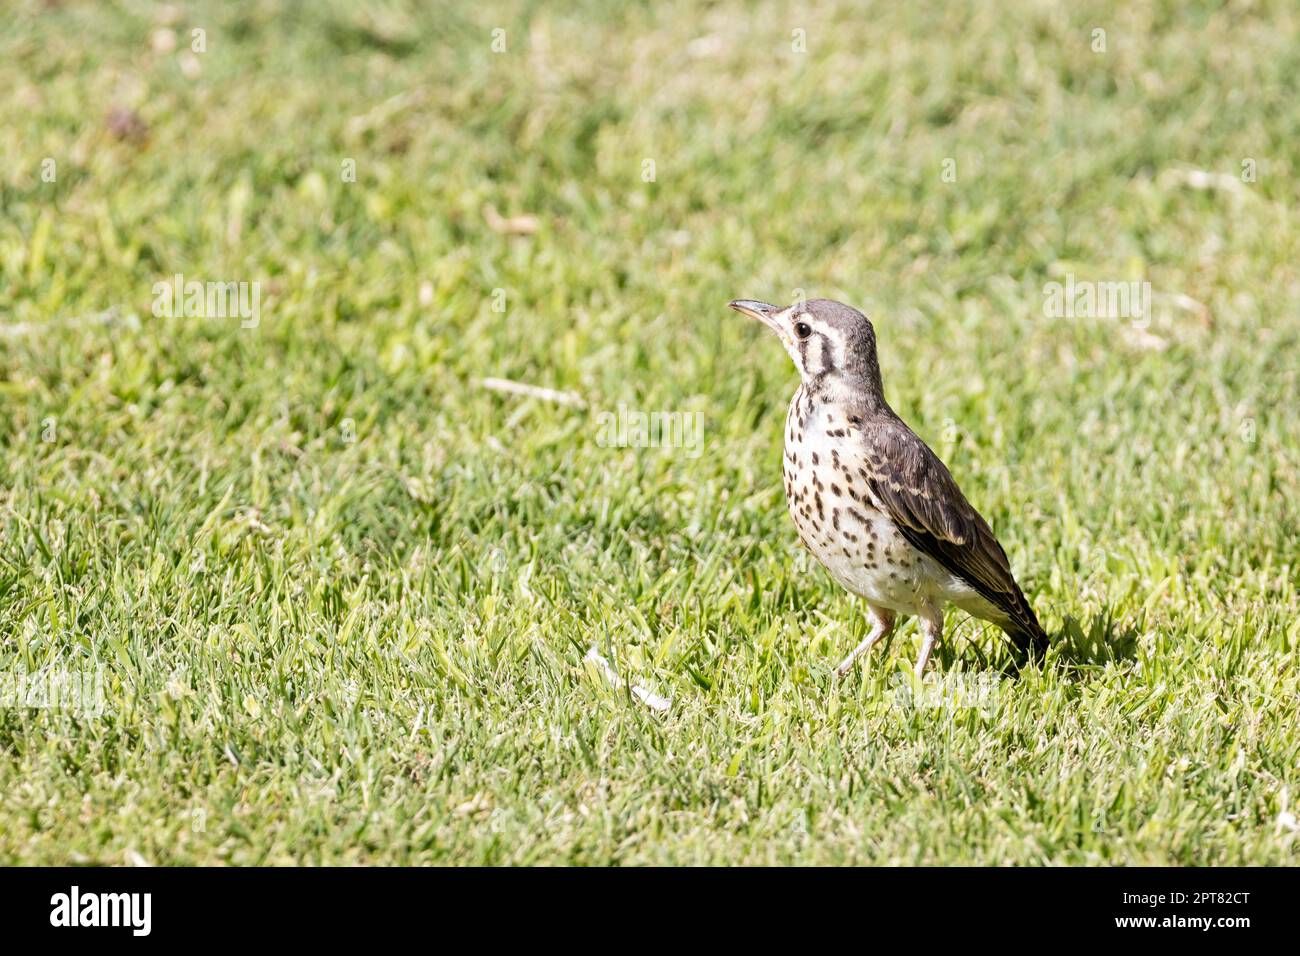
882 625
932 626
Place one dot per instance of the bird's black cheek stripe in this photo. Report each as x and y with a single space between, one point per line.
804 357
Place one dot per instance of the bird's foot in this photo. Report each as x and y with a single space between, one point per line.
884 626
927 646
846 665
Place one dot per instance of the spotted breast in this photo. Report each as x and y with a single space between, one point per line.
838 520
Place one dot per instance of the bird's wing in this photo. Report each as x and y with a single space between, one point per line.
914 489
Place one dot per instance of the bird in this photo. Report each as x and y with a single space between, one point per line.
870 500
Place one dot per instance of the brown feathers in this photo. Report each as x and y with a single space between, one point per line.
914 488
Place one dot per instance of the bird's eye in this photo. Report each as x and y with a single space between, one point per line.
803 330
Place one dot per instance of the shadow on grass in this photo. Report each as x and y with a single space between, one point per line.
1098 641
1078 647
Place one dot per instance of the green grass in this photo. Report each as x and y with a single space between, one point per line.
319 650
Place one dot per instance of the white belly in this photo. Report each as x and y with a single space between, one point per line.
835 515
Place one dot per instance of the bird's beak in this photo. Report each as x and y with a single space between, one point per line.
756 310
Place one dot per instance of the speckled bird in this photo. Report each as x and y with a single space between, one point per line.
869 498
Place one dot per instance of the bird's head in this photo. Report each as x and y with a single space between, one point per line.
829 342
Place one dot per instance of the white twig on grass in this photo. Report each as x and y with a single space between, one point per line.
1186 303
1286 824
1202 179
107 317
524 225
652 700
381 115
533 391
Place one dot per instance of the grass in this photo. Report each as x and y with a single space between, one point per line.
341 593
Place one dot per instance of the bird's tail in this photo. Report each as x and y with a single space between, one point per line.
1025 631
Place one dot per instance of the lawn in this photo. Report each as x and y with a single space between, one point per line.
335 594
